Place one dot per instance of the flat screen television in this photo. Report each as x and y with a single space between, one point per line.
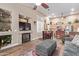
24 26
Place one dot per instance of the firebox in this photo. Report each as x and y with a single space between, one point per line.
26 37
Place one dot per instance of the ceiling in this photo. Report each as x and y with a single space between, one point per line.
56 8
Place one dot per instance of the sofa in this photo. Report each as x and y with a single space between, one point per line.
71 46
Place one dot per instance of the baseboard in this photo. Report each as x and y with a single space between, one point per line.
12 45
9 46
36 38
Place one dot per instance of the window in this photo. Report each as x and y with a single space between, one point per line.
40 25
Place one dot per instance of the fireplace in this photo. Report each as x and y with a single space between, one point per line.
26 37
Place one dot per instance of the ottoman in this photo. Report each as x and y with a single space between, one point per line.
46 48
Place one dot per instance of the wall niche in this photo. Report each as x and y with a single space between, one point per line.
5 22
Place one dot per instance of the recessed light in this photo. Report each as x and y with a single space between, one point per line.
72 9
38 4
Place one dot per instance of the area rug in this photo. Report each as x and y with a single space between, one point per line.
28 53
32 52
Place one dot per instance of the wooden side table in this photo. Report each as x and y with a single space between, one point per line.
47 34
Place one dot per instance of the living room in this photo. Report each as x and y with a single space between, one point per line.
39 29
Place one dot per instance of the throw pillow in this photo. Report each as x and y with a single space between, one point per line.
75 40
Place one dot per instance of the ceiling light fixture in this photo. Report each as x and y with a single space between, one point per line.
36 5
72 11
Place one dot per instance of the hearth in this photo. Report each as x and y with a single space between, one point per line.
26 37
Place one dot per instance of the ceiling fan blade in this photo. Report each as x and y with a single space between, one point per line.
44 5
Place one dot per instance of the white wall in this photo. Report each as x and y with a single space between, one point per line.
27 11
15 10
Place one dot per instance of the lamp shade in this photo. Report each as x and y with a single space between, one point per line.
78 30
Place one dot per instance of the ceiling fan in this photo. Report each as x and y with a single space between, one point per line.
44 5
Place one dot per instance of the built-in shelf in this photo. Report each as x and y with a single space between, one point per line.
24 28
25 31
5 20
6 33
23 20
